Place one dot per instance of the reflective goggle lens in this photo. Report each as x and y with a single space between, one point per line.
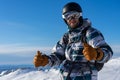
72 15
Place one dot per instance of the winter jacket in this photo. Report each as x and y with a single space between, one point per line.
68 53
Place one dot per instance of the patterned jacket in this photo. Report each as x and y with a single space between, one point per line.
69 50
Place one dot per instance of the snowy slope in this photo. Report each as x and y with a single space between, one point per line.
110 71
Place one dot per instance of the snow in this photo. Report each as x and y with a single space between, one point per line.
110 71
27 74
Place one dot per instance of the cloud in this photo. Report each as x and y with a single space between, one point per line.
116 48
21 48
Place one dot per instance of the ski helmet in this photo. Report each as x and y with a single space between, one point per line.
72 6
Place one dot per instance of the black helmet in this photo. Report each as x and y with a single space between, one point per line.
71 6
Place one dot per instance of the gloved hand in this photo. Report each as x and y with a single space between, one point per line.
40 60
91 53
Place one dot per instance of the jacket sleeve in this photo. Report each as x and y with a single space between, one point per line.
58 52
96 40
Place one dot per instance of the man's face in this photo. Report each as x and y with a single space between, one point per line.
73 23
72 18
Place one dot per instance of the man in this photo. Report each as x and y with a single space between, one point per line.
80 50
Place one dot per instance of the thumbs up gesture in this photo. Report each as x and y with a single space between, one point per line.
91 53
40 60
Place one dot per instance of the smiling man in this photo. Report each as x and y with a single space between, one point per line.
81 52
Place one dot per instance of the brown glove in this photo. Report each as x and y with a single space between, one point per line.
40 60
91 53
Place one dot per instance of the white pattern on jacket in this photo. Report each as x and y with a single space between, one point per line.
70 48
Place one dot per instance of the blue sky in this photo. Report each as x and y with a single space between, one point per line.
30 25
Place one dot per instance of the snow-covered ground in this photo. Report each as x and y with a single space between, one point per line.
110 71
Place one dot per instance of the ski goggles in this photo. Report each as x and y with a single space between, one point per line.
71 15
